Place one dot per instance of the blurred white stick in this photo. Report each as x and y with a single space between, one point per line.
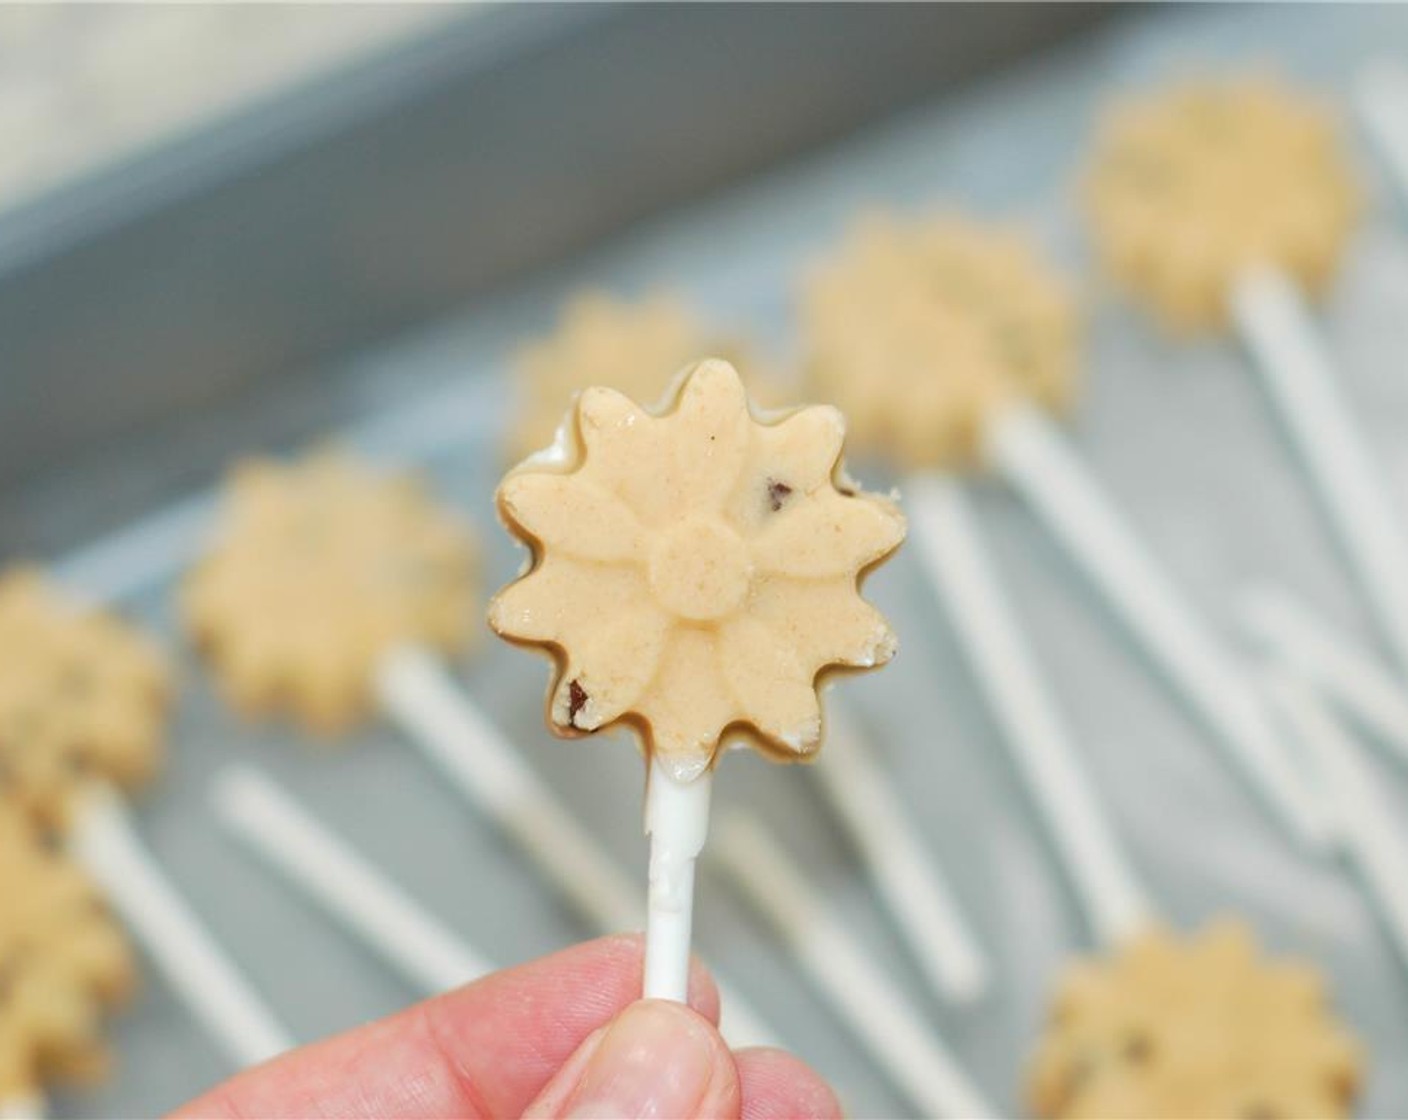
1381 95
105 843
1028 451
273 825
419 694
1276 326
677 822
906 875
1373 840
1346 672
964 577
844 973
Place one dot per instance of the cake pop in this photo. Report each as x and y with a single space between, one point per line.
1233 201
84 704
1193 1029
82 696
635 349
693 575
64 965
907 297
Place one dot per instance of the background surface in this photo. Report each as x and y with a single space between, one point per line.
1179 432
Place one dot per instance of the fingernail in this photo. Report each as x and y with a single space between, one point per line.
656 1060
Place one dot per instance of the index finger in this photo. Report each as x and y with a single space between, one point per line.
481 1051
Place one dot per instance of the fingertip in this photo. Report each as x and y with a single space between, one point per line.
777 1085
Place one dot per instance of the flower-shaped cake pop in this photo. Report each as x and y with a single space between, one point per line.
82 695
636 348
919 330
320 567
1194 1030
63 962
1191 187
695 572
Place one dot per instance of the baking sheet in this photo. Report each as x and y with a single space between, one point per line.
1180 433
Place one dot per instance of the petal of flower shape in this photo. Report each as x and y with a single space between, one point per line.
549 603
610 665
710 433
771 685
689 704
811 437
832 534
572 516
824 621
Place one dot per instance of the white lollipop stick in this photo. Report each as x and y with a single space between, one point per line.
105 843
1381 94
962 573
1372 838
1343 670
349 888
1027 450
906 875
677 821
1276 326
419 694
845 974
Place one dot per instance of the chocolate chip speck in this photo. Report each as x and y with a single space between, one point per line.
576 701
778 492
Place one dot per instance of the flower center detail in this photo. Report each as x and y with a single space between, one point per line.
700 570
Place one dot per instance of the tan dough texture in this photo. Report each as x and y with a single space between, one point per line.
696 571
919 329
319 567
1194 1029
636 348
63 963
1191 186
82 695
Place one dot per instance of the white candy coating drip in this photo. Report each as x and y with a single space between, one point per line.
348 887
963 575
897 859
843 972
104 841
1273 321
1026 449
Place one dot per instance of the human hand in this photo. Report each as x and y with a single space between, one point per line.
564 1036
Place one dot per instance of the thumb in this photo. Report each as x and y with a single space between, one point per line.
655 1061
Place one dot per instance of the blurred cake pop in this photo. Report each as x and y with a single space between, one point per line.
920 330
952 343
694 572
1228 203
320 566
82 696
1193 1029
634 347
63 964
1192 186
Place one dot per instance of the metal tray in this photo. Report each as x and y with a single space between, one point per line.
1180 434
